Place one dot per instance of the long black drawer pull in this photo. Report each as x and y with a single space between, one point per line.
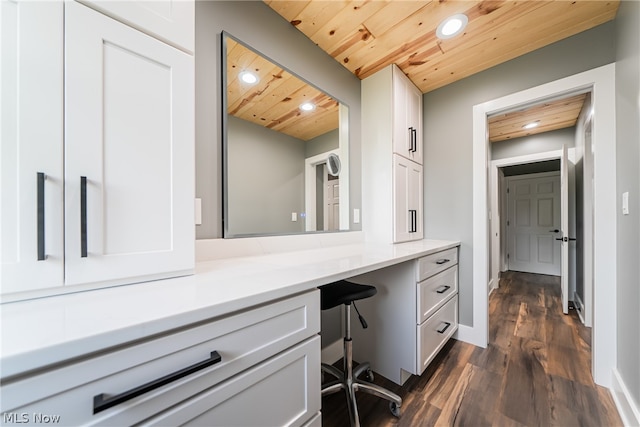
446 326
101 402
83 216
40 213
414 139
442 261
443 289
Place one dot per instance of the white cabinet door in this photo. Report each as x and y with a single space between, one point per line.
169 20
407 199
283 391
407 117
32 141
128 131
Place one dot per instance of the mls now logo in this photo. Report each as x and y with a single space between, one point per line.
24 418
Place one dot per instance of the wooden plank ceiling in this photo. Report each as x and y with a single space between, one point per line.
367 35
552 115
273 102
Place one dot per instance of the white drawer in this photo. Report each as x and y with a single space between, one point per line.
242 340
435 263
283 391
433 292
434 333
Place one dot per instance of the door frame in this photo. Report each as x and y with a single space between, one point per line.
601 83
310 164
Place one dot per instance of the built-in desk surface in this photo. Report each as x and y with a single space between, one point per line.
45 331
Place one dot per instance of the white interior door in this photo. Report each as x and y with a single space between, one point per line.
332 205
534 223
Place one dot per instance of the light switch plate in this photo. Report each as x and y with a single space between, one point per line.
294 216
198 211
625 203
356 216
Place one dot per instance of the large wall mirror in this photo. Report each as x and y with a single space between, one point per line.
285 150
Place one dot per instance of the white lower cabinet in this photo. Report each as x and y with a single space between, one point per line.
274 393
412 316
262 364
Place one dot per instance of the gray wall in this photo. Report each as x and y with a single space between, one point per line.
257 25
265 180
323 143
628 179
548 141
448 120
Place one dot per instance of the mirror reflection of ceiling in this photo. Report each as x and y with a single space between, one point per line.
366 36
274 100
547 116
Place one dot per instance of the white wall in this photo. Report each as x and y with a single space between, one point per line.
628 179
448 135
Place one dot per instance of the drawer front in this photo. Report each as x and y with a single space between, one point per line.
283 391
242 340
435 263
434 333
433 292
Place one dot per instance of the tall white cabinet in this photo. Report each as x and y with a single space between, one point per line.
97 151
392 157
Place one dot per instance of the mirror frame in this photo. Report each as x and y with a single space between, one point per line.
342 151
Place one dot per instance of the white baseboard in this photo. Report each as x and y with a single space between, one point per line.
469 335
629 411
332 353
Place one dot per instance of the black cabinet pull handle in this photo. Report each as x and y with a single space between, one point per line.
442 261
446 326
83 216
410 139
443 289
40 177
414 139
413 226
101 402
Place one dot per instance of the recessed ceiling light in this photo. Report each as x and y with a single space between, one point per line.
531 125
308 106
452 26
248 77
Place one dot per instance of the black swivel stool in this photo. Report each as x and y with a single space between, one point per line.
332 295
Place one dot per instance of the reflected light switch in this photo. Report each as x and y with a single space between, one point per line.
356 216
294 216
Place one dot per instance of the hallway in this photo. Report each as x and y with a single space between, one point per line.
534 372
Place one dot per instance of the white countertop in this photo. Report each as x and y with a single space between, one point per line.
45 331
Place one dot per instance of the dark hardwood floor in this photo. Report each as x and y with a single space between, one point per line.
536 371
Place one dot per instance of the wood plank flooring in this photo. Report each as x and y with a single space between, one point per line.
536 371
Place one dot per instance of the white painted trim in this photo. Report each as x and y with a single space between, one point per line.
310 164
628 410
333 352
469 335
601 82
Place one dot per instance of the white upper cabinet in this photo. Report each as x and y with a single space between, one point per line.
171 21
407 117
129 132
392 195
31 180
97 151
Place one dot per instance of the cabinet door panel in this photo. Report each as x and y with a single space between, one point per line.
129 131
407 200
32 132
283 391
169 20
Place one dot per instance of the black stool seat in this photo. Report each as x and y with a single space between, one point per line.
343 292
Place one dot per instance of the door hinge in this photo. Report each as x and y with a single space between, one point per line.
507 190
507 256
507 223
